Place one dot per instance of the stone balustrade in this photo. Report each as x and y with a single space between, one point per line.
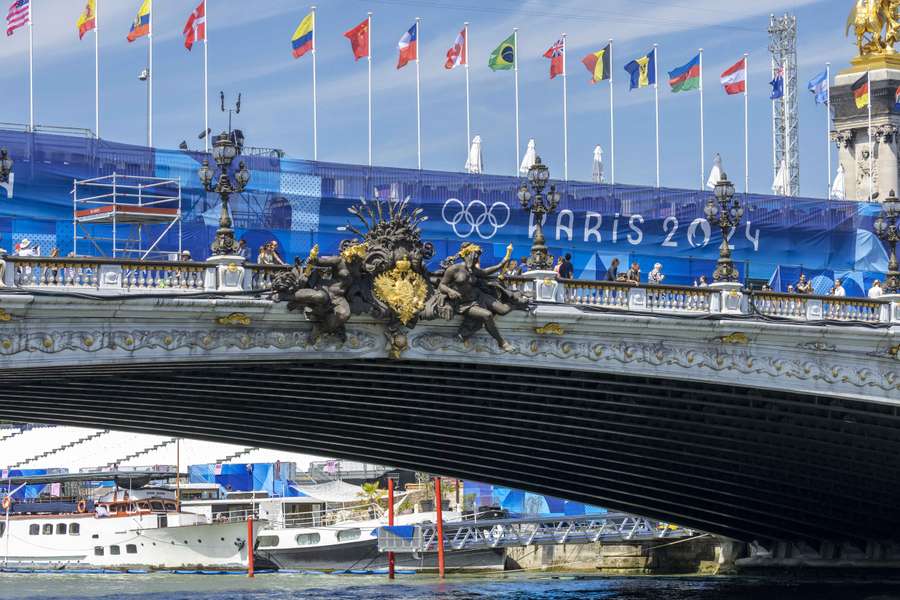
114 277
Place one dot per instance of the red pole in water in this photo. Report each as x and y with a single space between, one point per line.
440 524
250 546
390 524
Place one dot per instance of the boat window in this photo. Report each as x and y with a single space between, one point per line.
48 529
307 539
143 506
157 505
74 528
60 529
131 549
114 550
348 534
171 506
268 541
34 529
98 550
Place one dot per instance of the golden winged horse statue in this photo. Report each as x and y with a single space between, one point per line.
876 25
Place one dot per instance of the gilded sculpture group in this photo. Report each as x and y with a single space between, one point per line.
876 24
383 273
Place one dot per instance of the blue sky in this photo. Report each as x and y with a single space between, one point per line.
250 51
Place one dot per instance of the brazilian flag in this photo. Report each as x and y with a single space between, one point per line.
503 57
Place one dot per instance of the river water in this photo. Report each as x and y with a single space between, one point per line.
509 587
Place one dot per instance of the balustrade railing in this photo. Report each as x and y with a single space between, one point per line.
108 276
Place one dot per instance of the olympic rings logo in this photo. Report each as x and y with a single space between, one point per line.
475 217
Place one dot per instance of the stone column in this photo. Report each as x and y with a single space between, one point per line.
851 130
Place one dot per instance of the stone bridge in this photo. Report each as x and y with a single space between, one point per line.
759 416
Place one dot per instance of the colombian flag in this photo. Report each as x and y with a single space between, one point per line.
141 25
642 70
88 19
861 91
302 42
598 64
686 77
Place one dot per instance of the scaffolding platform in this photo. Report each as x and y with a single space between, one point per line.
112 212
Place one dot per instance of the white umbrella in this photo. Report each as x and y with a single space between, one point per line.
529 158
838 191
474 161
779 186
715 174
598 165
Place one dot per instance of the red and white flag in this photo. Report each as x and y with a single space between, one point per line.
556 54
407 46
217 469
19 15
735 78
195 28
458 55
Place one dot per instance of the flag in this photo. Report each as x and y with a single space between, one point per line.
686 77
861 91
897 99
359 39
597 63
777 84
407 47
818 85
19 15
195 28
503 57
302 42
642 70
88 19
556 53
735 78
458 55
141 25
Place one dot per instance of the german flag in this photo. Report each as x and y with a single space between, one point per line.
861 91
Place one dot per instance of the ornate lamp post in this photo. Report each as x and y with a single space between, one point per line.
886 229
538 176
725 211
6 165
224 152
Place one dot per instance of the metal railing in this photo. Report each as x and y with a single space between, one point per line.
506 533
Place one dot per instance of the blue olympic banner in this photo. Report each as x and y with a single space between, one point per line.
300 203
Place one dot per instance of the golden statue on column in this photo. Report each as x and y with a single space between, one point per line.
876 24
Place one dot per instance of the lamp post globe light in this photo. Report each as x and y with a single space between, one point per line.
534 203
885 227
6 165
224 152
725 211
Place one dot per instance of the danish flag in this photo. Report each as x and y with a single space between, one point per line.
195 28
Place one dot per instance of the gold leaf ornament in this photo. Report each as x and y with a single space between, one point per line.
403 290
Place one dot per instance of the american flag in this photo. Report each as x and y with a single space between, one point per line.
19 15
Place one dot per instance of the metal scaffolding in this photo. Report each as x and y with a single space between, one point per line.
785 116
113 213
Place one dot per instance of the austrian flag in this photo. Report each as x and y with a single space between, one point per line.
735 78
195 28
407 46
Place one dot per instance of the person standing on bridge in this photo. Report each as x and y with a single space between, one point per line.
612 273
875 291
633 275
566 268
656 276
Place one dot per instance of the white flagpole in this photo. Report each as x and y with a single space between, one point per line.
468 116
787 131
418 98
828 125
612 120
150 81
746 124
516 73
702 140
206 75
97 69
369 57
565 114
774 144
31 67
871 141
656 94
315 107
